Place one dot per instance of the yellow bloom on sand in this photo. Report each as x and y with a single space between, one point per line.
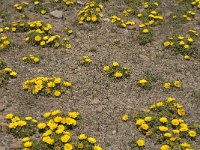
115 64
163 128
145 31
68 146
91 140
67 84
163 119
140 143
142 82
144 126
96 147
166 44
57 93
82 137
164 147
38 38
192 133
167 85
125 117
186 57
41 125
177 84
27 144
68 46
9 116
106 68
118 74
175 122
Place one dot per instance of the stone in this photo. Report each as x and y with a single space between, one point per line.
4 127
100 108
1 20
106 19
144 58
80 3
114 132
57 14
15 145
95 101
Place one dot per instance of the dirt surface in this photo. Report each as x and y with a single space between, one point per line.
100 100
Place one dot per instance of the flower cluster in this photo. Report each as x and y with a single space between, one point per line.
54 130
67 2
21 126
196 3
115 70
127 12
21 26
31 59
19 7
46 86
4 42
85 142
176 84
91 12
184 45
189 15
86 60
121 23
6 73
164 122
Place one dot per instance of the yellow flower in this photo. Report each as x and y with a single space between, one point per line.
28 118
115 64
176 131
47 114
82 137
186 57
65 138
166 44
118 74
96 147
175 122
139 122
36 59
42 43
9 116
25 139
41 125
167 85
55 112
163 120
57 93
43 12
186 46
68 146
148 118
145 126
14 74
177 84
48 140
91 140
106 68
58 119
140 143
73 114
163 128
67 84
28 144
192 133
38 38
185 145
47 133
57 80
51 84
21 123
164 147
145 30
68 46
167 135
142 82
125 117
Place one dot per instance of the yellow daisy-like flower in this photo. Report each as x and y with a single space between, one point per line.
177 84
82 137
106 68
140 143
145 31
142 82
57 93
192 133
68 146
118 74
125 117
91 140
38 38
163 120
41 125
175 122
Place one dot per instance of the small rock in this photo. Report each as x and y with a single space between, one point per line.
4 127
95 101
1 20
80 3
57 14
100 108
15 145
106 19
114 132
144 58
2 148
